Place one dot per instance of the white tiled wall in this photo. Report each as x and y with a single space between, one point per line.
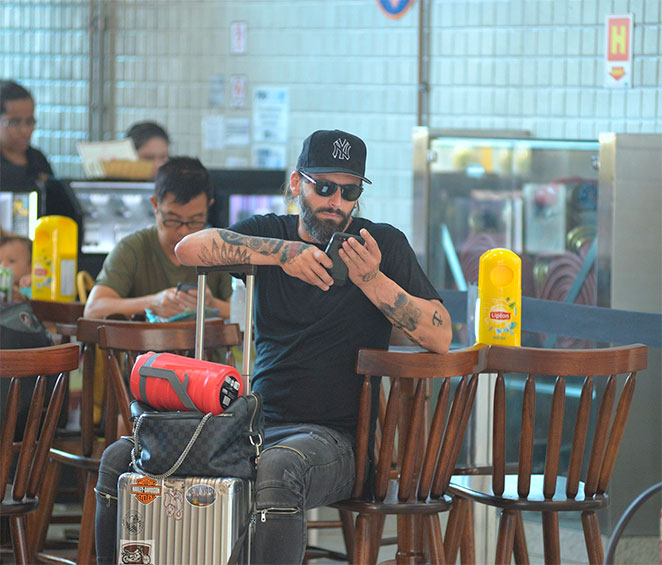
517 64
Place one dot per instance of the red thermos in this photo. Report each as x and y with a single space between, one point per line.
167 381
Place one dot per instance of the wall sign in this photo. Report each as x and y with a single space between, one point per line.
238 37
618 51
395 8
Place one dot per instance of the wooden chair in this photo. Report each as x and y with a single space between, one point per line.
51 313
416 493
85 453
22 497
560 488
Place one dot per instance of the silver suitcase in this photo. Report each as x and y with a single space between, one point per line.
180 520
189 520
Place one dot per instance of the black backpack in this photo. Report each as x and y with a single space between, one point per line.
20 329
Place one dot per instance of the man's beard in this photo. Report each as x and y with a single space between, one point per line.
321 230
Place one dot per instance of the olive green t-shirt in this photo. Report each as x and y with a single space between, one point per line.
137 266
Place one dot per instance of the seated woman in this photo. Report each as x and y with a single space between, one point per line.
152 143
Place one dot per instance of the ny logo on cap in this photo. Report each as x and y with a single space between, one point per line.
341 149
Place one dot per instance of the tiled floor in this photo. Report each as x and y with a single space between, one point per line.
630 551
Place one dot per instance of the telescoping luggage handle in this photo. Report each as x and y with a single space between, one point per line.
249 271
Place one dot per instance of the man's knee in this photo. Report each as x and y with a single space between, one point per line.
281 477
115 460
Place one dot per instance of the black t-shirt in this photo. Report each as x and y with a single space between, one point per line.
307 339
19 178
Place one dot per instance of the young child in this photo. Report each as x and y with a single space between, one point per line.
16 254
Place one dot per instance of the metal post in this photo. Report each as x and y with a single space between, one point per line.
248 333
200 316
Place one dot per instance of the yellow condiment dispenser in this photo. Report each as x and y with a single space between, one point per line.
499 306
54 259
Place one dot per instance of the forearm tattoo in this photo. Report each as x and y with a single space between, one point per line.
369 276
403 314
225 255
292 250
236 249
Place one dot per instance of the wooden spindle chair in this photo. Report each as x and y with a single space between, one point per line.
428 448
576 485
22 496
85 453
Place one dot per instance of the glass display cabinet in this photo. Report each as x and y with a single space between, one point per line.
475 191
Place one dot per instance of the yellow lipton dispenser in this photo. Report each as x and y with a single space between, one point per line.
54 259
498 310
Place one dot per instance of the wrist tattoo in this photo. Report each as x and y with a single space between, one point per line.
369 276
436 320
292 250
403 314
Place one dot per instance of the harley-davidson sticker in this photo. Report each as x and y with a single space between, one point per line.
145 490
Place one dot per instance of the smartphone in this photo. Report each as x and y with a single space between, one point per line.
185 287
339 269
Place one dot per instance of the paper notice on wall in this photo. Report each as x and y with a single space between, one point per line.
237 132
238 91
213 132
271 114
216 96
269 156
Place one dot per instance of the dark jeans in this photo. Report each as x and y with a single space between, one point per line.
301 467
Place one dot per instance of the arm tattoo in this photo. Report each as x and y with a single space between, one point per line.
292 250
236 248
403 314
369 276
262 245
225 255
436 319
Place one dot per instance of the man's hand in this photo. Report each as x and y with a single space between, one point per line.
362 260
308 263
170 302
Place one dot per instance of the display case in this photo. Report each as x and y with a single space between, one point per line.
111 211
475 191
19 211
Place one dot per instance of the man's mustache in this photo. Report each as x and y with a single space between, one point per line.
331 211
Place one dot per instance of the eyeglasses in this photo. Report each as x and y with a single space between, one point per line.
176 224
326 188
16 123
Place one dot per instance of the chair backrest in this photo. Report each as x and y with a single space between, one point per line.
19 365
217 335
428 447
593 365
124 341
50 312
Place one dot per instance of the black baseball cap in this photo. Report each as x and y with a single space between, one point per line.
333 151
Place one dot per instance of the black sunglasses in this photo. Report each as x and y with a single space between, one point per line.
326 188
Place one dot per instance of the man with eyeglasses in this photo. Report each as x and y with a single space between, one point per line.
142 271
307 335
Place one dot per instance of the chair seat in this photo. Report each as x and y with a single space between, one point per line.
479 488
391 504
70 453
9 506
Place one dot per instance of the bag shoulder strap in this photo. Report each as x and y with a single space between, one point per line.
180 460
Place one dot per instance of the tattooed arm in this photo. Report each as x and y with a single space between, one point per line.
426 322
225 247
